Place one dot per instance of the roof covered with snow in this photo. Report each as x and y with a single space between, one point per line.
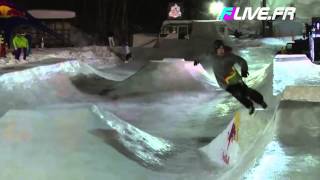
52 14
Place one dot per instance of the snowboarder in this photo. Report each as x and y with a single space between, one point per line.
228 78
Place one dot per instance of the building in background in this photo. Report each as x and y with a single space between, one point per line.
14 19
58 21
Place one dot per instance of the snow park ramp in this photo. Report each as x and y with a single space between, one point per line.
302 93
43 85
290 70
249 147
165 76
272 144
52 143
234 149
251 144
294 152
172 48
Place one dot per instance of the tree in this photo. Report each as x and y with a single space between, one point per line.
119 20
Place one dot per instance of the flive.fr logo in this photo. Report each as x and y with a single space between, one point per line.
261 13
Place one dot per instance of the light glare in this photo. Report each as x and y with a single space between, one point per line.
216 8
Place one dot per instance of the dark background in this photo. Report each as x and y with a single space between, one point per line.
123 16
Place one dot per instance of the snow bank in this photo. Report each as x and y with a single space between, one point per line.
98 56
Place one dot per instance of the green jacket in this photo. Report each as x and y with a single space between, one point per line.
20 41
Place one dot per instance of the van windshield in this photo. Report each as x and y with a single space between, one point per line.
176 31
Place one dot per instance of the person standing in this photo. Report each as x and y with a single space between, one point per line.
111 39
3 51
127 51
229 78
20 44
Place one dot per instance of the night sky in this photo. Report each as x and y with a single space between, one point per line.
101 16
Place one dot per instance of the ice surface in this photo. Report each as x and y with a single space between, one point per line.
292 70
293 152
49 129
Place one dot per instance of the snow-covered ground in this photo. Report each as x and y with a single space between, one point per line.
150 123
97 56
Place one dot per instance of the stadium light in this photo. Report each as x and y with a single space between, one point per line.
216 7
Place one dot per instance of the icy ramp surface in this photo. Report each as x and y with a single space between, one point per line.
294 152
240 143
165 76
263 146
294 70
272 144
53 143
302 93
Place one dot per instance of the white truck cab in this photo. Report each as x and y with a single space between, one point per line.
186 29
180 39
183 30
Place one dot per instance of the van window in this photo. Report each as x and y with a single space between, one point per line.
182 31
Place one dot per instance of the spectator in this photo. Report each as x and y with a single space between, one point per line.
111 39
127 51
3 53
20 44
